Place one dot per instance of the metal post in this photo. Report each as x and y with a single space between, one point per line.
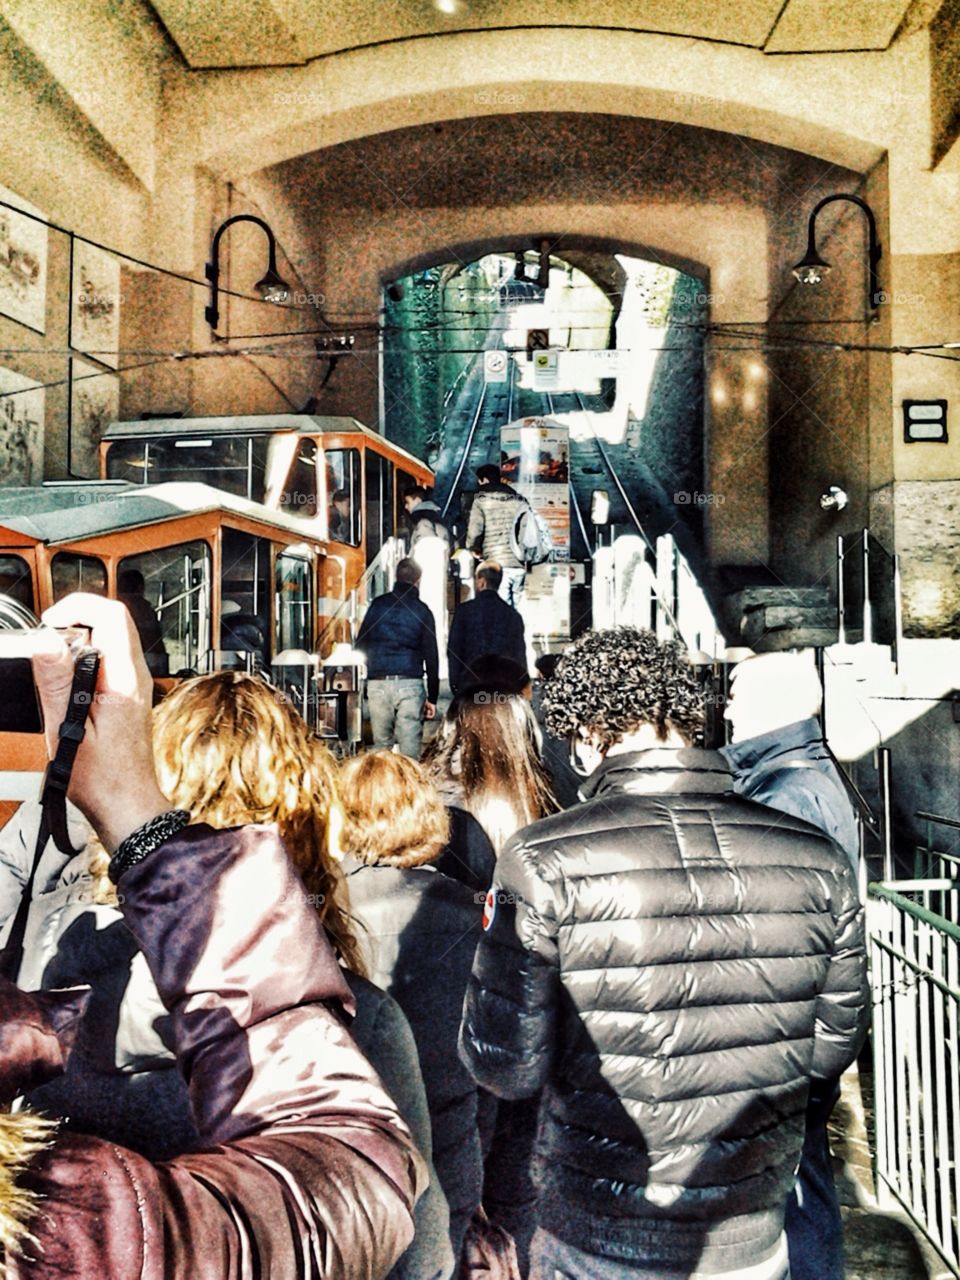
897 614
867 606
886 831
841 595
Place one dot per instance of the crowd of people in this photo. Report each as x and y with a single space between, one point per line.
561 993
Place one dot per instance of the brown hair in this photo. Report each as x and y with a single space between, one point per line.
392 813
489 745
232 750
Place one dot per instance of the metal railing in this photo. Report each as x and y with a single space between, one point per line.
637 584
868 591
915 978
929 862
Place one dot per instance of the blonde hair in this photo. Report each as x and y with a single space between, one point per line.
232 750
489 746
392 814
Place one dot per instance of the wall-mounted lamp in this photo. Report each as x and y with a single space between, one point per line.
543 273
812 268
272 288
835 499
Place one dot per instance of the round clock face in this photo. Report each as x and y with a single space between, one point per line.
496 361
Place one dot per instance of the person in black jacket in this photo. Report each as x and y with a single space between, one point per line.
779 758
672 968
399 640
484 625
420 929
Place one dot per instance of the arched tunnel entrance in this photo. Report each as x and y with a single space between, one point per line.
624 336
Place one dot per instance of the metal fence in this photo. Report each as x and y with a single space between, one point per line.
915 975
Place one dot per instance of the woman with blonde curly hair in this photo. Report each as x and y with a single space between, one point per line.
232 750
421 929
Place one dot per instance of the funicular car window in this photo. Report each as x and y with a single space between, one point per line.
380 525
299 497
245 600
15 580
72 572
236 464
343 495
168 594
295 605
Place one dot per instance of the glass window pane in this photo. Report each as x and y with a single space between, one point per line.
295 603
343 495
379 474
236 464
15 580
71 572
168 594
245 599
299 498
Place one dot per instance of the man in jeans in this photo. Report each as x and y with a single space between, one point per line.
399 641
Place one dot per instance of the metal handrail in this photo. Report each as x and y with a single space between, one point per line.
877 889
935 817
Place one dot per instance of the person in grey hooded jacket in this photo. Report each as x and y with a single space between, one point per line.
779 758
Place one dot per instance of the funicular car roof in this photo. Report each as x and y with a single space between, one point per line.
66 512
252 424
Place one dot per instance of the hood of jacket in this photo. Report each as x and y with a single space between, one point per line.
22 1137
802 740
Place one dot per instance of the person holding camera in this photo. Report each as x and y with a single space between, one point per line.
303 1165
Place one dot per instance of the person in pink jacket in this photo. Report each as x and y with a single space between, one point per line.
304 1168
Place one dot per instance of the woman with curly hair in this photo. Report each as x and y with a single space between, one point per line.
232 750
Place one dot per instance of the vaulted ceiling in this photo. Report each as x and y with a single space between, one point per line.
263 33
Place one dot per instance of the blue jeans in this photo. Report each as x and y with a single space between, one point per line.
396 714
813 1222
511 585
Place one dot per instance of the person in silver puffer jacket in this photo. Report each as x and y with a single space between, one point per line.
490 528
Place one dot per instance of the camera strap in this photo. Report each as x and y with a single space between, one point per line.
53 801
56 780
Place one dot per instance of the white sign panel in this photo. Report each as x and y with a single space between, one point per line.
546 370
495 366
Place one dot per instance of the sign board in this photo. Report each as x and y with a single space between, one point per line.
546 370
495 366
537 340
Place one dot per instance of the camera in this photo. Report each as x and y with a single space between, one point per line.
19 701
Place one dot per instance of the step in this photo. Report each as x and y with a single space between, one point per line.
750 598
795 638
774 618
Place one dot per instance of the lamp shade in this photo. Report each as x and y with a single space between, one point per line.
273 287
811 269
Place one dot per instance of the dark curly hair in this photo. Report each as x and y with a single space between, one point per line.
612 682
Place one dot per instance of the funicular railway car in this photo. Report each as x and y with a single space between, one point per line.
212 580
337 479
